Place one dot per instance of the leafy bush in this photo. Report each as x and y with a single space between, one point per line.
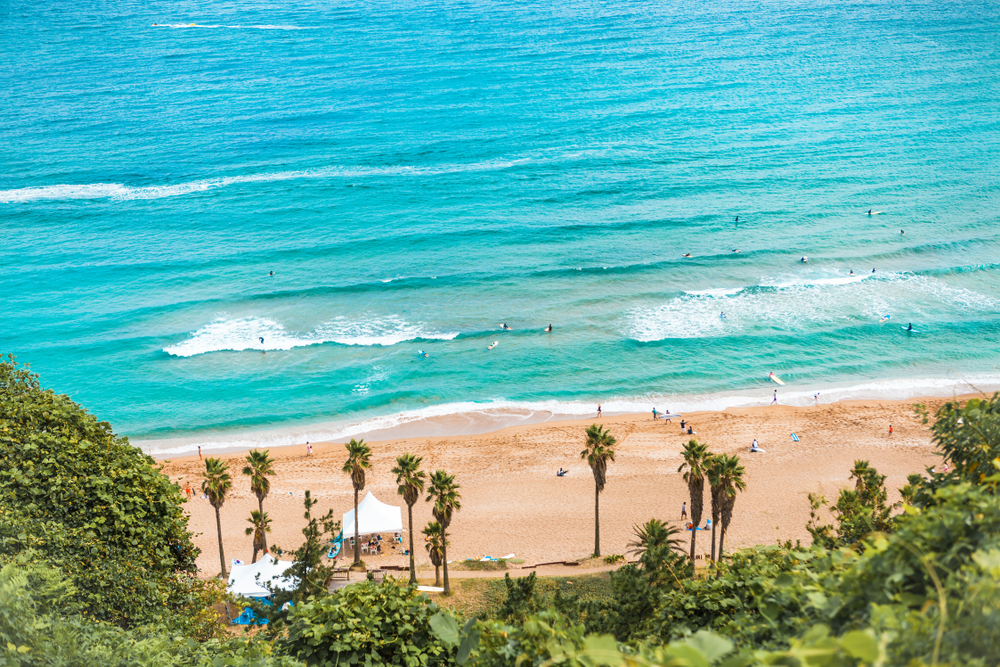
614 559
366 623
76 496
39 626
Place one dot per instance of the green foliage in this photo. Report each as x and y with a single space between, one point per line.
519 601
39 625
367 624
260 526
613 559
968 437
859 511
76 496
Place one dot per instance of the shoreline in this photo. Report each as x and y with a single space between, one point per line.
468 419
514 503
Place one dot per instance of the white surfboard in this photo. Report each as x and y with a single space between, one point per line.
775 378
495 343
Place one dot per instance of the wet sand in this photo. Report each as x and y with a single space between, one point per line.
513 502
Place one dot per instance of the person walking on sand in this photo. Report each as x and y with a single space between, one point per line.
199 452
890 429
774 401
684 511
598 410
654 414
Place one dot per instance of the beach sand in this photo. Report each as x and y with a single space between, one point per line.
512 501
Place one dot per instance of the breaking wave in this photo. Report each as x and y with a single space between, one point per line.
240 334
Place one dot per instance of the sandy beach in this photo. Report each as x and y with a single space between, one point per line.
513 502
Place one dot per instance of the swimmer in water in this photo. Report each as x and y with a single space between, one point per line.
722 315
548 329
804 259
261 341
902 233
851 273
271 274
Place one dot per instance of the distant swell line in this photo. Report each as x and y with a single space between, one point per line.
121 192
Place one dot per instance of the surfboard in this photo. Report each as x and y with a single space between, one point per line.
908 330
775 378
495 343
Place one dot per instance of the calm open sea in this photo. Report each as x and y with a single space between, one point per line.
416 174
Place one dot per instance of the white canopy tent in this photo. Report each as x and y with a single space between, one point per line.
243 579
374 516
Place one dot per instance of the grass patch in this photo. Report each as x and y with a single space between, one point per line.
479 565
484 597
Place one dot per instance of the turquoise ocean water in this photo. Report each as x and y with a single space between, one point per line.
416 174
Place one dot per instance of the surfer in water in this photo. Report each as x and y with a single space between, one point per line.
873 270
869 211
737 218
909 327
851 273
804 259
505 327
902 233
271 274
261 340
722 315
548 329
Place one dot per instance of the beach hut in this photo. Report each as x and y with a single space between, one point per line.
374 516
243 579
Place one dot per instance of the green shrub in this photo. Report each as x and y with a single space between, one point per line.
76 496
366 624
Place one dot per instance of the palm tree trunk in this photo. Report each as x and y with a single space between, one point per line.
222 554
693 533
357 538
437 576
713 540
444 560
413 562
722 536
255 550
597 522
260 506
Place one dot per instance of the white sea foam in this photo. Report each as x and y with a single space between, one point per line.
468 418
795 304
119 191
234 27
239 334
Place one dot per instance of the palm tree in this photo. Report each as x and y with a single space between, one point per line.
655 543
694 460
444 492
259 466
435 545
261 525
860 474
216 485
712 464
358 460
728 477
410 479
597 454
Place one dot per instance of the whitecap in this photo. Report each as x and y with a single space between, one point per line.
122 192
226 334
782 305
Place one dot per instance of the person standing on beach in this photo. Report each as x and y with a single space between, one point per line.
199 452
598 410
654 414
684 511
774 401
890 429
816 397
